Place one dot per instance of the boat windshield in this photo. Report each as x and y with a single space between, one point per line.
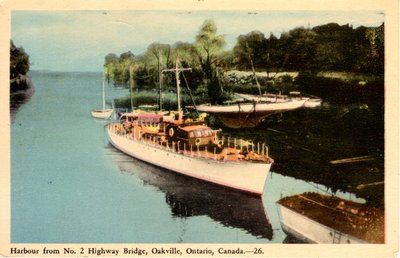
201 133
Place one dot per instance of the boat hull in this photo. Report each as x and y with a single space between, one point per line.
249 114
102 113
307 230
240 175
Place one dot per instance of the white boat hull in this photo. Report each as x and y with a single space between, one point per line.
102 113
308 230
257 107
248 114
241 175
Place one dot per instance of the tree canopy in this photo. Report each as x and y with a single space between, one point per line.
329 47
19 61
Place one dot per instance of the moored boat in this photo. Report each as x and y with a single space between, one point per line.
317 218
103 113
191 148
249 114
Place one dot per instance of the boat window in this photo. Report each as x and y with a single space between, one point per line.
191 134
198 133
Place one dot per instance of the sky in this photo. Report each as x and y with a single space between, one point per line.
79 40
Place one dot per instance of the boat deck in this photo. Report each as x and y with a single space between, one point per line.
151 136
356 219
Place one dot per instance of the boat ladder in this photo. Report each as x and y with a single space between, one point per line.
336 237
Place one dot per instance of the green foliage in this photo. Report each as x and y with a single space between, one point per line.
251 49
209 45
310 51
169 101
338 90
19 61
329 47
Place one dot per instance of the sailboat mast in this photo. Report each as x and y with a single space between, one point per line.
178 89
102 92
130 86
160 80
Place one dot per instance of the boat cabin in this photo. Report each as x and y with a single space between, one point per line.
195 135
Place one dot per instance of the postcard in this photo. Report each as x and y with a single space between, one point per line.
199 128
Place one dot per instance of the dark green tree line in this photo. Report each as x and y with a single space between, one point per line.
329 47
19 61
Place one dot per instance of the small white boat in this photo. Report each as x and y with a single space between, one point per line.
312 103
103 113
323 219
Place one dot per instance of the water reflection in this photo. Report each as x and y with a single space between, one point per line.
189 197
292 240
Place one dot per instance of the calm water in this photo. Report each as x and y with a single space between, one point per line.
70 186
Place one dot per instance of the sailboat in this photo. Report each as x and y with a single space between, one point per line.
103 113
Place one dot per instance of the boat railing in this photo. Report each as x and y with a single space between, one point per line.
227 149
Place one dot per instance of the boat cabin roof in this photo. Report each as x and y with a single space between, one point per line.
152 118
195 128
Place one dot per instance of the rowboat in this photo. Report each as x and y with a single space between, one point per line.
325 219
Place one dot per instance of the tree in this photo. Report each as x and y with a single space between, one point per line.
187 55
19 61
209 45
250 50
300 44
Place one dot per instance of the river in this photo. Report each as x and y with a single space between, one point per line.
68 185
